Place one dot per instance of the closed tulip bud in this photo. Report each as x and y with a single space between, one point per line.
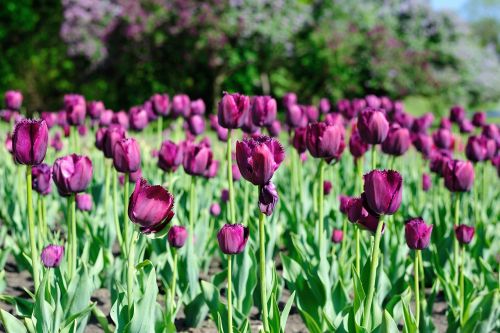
268 198
52 255
325 141
457 114
95 109
289 99
397 142
42 175
13 100
215 209
373 101
443 139
295 116
121 118
113 134
357 147
479 119
30 140
177 236
197 159
106 118
196 124
299 139
150 207
84 202
224 195
232 238
458 175
82 130
231 110
274 129
324 105
357 213
138 118
181 105
258 158
169 156
72 174
327 187
76 109
383 191
417 233
476 149
264 110
464 234
372 126
337 236
127 156
198 107
161 104
426 182
423 143
344 203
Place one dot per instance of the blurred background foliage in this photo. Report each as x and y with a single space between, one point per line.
122 51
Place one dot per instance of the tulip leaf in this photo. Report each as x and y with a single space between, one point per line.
286 312
310 323
11 323
388 324
143 319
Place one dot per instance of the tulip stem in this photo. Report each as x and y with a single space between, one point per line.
229 297
358 250
374 157
245 202
106 184
115 211
174 280
263 292
455 240
422 280
160 130
41 224
359 171
191 207
130 273
462 284
232 213
31 228
373 274
417 292
321 205
125 211
73 233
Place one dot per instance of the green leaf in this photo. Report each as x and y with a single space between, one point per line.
11 323
409 323
310 323
101 319
143 319
388 324
286 312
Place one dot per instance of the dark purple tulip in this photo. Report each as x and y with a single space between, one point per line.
181 105
274 129
404 119
491 131
50 118
397 142
264 110
311 112
344 203
324 105
386 104
6 116
148 106
479 119
66 131
197 159
299 139
56 142
150 207
268 198
106 118
121 118
327 187
99 138
76 109
196 124
224 195
127 156
84 202
357 146
169 156
337 236
464 233
232 238
457 114
231 110
417 234
325 141
138 118
423 123
334 119
29 142
357 213
423 143
236 172
438 161
42 175
113 134
476 149
445 123
161 104
212 170
13 100
295 116
134 176
372 126
357 106
72 174
458 175
443 139
62 119
383 191
373 101
247 125
466 126
52 255
215 209
95 109
177 236
426 182
345 108
289 99
496 163
198 107
258 158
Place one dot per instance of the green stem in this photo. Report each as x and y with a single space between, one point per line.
115 211
245 202
263 292
160 130
462 290
344 239
107 174
423 302
174 279
300 183
321 206
417 292
130 273
192 199
455 241
358 250
125 212
229 297
31 228
232 212
74 239
373 274
483 186
41 231
374 157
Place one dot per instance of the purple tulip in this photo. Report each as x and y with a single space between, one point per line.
13 99
268 198
197 159
121 118
95 109
72 174
417 233
50 118
426 182
295 116
29 142
56 142
258 158
106 118
231 110
445 123
236 172
127 156
99 138
198 107
84 202
138 118
466 126
386 104
337 236
232 238
403 119
397 142
113 134
464 234
224 195
311 112
443 139
327 187
438 161
324 105
373 126
42 175
215 209
423 143
476 149
264 110
357 213
346 109
247 124
76 109
274 129
181 105
196 124
373 101
212 170
8 142
150 207
169 156
82 130
325 141
383 191
177 236
344 203
457 114
161 104
299 139
52 255
334 119
289 99
357 146
479 119
423 123
458 175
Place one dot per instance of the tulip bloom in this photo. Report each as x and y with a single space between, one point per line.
426 182
311 112
458 175
150 207
479 119
138 118
423 143
274 129
72 174
268 198
357 213
161 104
197 159
181 105
76 109
224 195
373 126
295 116
397 142
383 191
476 149
289 99
264 110
443 139
357 146
337 236
417 233
324 105
177 236
344 203
232 238
84 202
29 142
215 209
325 141
464 233
327 187
231 110
52 255
112 135
95 109
13 99
42 175
457 114
196 124
169 156
127 156
299 139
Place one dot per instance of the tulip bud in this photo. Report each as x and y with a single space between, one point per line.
99 138
443 139
106 118
289 99
397 142
373 126
224 195
422 124
417 233
177 236
464 233
324 105
215 209
232 238
169 156
72 174
161 104
274 129
458 175
403 119
13 100
423 143
295 116
138 118
121 118
426 182
299 139
479 119
84 202
337 236
311 112
325 141
42 174
181 105
383 191
466 126
30 140
268 198
231 110
127 156
457 114
56 142
95 109
344 203
476 149
76 109
197 159
52 255
357 147
112 135
264 110
350 110
327 187
196 124
373 101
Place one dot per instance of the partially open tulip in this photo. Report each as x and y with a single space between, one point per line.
258 158
177 236
372 125
29 142
479 119
264 110
337 236
13 100
84 202
150 207
197 159
327 187
417 233
397 142
215 209
457 114
458 175
268 198
299 139
42 175
231 110
426 182
443 138
383 191
169 156
127 156
232 238
464 233
113 134
161 104
95 109
138 118
357 146
52 255
72 174
325 141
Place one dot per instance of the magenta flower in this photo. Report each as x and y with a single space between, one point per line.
426 182
299 139
372 126
52 255
138 118
215 209
417 233
197 159
196 124
127 156
337 236
177 236
76 109
327 187
169 156
443 138
95 109
113 134
72 174
161 104
457 114
479 119
264 110
358 213
357 147
13 99
232 238
84 202
324 105
397 142
181 105
458 175
231 110
383 191
42 175
268 198
344 203
29 142
464 233
295 116
325 141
